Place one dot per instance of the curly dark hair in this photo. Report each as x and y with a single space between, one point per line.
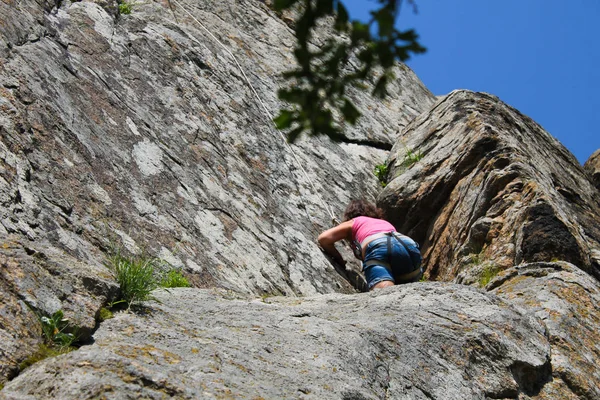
358 208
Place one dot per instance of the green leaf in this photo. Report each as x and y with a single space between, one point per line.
360 32
338 56
324 7
294 95
304 24
280 5
284 119
408 36
303 56
342 18
350 112
366 55
380 90
58 315
317 85
323 119
294 134
385 21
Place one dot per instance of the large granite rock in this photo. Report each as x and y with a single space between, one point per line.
140 131
141 128
492 190
419 341
592 167
567 300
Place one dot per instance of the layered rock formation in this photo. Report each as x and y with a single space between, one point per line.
592 166
490 189
491 185
140 131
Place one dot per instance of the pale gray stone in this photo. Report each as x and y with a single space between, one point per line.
417 341
567 300
143 124
139 130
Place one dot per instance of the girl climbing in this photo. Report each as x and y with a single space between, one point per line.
387 256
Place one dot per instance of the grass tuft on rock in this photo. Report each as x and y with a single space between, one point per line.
135 276
173 279
411 157
488 272
139 275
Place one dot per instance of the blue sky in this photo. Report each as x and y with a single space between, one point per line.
540 56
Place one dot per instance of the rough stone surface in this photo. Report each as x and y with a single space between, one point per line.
492 186
139 130
419 341
568 301
37 280
592 167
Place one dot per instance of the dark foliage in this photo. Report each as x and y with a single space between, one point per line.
362 52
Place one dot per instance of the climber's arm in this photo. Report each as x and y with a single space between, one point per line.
328 238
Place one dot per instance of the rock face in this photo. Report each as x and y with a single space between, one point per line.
427 340
38 280
492 190
141 131
484 188
568 301
592 166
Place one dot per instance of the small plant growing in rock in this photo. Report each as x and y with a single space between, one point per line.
57 330
487 274
138 276
60 337
125 8
411 157
135 276
381 172
173 279
476 258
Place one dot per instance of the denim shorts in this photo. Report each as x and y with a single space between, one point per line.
378 250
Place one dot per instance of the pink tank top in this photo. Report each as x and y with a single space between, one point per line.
363 227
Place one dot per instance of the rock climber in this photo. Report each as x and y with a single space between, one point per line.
387 256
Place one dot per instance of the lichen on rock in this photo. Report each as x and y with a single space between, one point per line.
140 131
